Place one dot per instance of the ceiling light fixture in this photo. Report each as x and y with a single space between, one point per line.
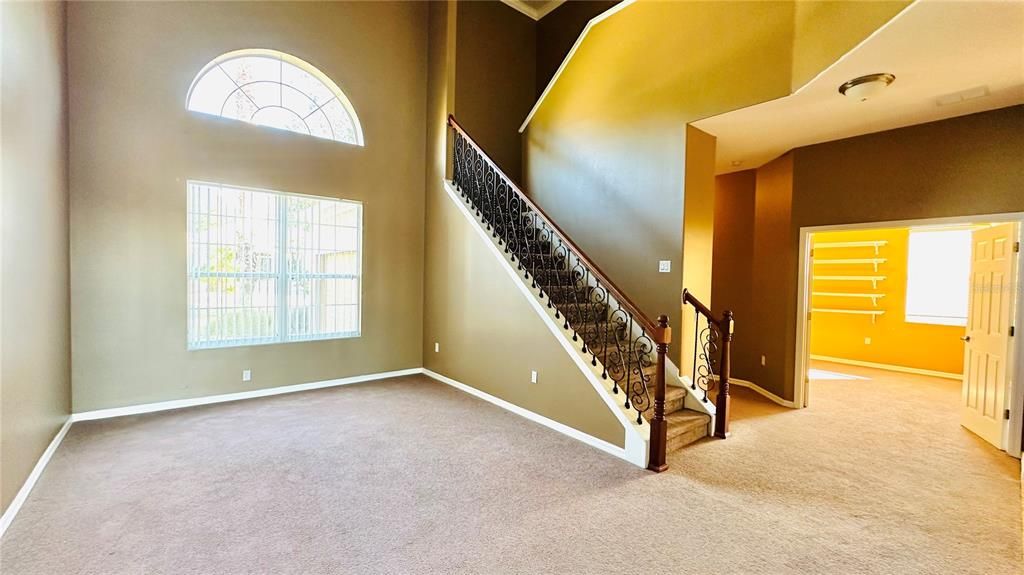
865 87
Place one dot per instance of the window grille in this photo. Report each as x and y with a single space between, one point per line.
269 267
274 89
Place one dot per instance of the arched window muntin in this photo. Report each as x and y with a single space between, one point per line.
245 82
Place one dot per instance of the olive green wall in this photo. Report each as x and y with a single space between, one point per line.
495 66
490 337
35 392
134 145
972 165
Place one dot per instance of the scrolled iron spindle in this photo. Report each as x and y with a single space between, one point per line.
712 358
598 316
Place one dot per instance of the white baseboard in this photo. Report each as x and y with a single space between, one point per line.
206 400
753 386
888 367
622 453
30 482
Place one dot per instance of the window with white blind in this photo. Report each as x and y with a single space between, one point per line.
269 267
938 276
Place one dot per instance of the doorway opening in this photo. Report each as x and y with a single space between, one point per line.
913 306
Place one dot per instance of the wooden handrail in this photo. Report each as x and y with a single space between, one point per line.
649 326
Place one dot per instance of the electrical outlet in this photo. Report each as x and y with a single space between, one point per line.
533 377
763 361
437 347
246 375
664 266
867 341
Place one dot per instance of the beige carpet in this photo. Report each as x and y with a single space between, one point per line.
410 476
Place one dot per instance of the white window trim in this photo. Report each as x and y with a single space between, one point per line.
282 276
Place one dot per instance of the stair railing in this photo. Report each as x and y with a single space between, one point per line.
712 358
629 347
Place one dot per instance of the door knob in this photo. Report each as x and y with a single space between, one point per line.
965 337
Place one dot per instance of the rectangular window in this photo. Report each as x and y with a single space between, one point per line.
938 277
270 267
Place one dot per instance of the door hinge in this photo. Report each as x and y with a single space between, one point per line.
812 251
1012 330
1016 247
1006 414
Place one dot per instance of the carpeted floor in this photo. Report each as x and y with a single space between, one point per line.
410 476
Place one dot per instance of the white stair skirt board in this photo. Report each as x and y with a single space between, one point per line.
888 367
637 436
629 453
764 392
206 400
33 477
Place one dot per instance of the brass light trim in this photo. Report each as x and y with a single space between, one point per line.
887 78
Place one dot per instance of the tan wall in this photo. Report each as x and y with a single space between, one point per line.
35 393
489 335
133 146
495 77
963 166
698 234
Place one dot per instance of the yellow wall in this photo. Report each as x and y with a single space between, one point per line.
134 145
893 340
606 147
35 394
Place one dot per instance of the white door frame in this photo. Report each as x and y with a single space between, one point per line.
1012 438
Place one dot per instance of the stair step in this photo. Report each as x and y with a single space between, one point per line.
566 294
685 427
675 398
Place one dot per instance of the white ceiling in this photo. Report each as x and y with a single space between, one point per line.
934 48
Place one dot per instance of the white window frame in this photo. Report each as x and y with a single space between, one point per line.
283 275
935 319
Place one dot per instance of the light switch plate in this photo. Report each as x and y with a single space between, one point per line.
533 377
764 360
246 375
437 347
665 266
867 341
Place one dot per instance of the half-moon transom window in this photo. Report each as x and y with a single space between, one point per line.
274 89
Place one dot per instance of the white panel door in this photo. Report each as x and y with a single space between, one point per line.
989 317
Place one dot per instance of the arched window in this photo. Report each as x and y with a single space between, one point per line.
274 89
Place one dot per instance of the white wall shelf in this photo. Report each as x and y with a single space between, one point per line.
873 279
851 261
872 244
874 313
874 297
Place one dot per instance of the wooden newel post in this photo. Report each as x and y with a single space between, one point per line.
659 427
722 406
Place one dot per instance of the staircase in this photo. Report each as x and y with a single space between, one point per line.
629 348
